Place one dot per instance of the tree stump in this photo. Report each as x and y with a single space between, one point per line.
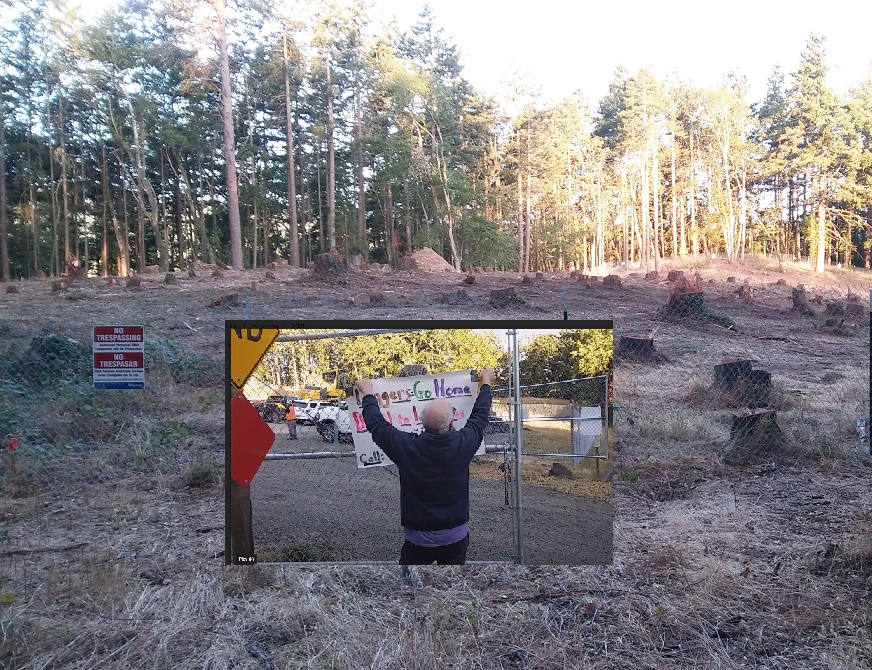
754 436
59 285
676 275
377 298
191 273
744 292
612 281
652 276
217 273
731 280
269 275
560 471
539 275
505 297
741 384
470 279
354 261
254 286
460 297
526 281
330 264
781 282
800 300
133 282
573 274
170 278
639 348
834 308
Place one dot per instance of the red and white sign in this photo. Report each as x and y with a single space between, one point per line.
119 357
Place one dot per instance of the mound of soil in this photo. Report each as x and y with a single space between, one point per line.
425 260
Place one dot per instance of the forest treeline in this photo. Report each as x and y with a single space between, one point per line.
166 132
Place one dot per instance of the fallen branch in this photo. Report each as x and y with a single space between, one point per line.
43 550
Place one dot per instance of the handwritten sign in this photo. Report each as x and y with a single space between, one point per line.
401 400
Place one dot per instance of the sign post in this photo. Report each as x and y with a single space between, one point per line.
119 357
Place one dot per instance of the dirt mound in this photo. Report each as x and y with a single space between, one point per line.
425 260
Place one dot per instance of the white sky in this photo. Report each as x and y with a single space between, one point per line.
569 46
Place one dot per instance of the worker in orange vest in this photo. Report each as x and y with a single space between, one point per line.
291 418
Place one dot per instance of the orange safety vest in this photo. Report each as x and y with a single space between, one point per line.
291 413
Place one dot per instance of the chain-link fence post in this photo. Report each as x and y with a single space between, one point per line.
519 442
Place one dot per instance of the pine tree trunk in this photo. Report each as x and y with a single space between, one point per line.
674 221
293 227
331 165
4 222
104 248
626 219
407 216
821 228
520 210
694 232
361 188
65 205
655 173
529 225
645 222
226 100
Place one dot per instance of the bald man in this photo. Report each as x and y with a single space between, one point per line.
434 473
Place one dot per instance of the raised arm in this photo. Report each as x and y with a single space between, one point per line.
480 415
386 437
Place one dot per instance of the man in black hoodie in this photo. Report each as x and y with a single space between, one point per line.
434 473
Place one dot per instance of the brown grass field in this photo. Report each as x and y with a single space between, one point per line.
112 559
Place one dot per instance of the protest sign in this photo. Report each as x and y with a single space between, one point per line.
401 400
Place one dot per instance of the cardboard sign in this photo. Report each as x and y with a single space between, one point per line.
401 400
119 357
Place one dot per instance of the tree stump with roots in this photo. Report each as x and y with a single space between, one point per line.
800 300
754 435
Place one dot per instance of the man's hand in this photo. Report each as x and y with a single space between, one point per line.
486 376
364 386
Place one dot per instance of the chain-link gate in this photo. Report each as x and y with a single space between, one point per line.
311 503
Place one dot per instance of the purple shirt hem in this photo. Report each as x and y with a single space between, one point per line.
436 538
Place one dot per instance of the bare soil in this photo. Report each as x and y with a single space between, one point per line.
766 566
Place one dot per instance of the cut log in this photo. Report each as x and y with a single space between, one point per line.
505 297
639 348
754 436
613 281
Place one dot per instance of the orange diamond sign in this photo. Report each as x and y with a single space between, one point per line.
250 440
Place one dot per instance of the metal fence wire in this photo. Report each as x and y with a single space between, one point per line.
311 503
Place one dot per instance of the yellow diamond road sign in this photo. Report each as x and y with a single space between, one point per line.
247 348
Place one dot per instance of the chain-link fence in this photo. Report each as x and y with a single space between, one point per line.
60 430
312 503
768 400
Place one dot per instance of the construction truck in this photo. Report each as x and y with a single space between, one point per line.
331 386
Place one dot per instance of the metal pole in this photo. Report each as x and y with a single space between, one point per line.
519 442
